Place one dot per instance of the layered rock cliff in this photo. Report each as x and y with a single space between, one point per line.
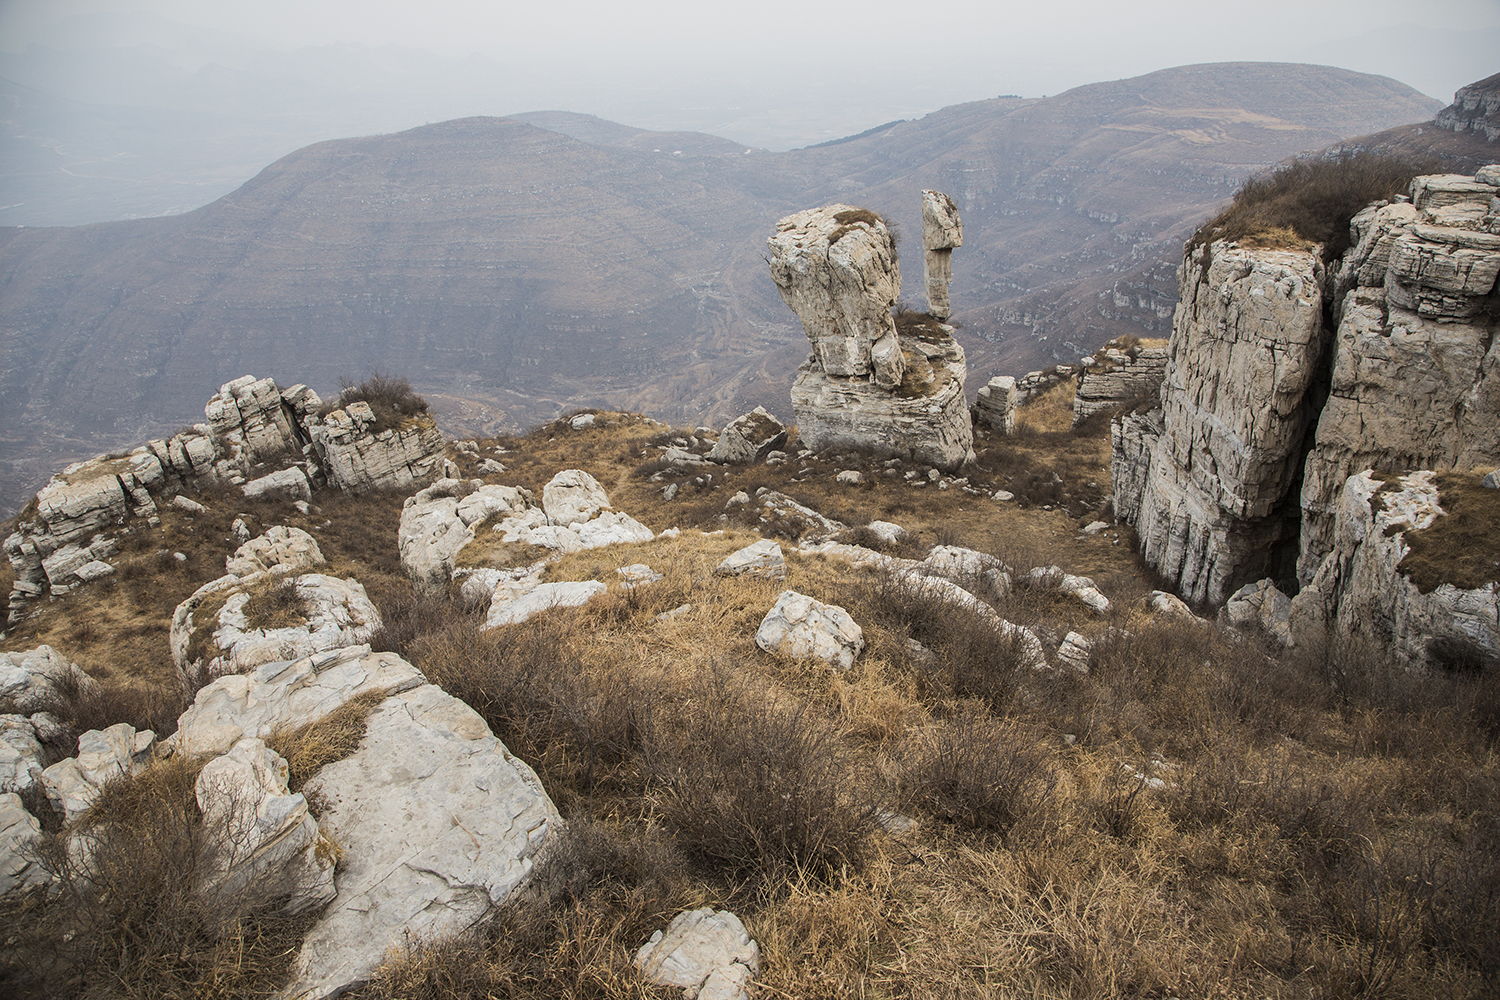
1287 381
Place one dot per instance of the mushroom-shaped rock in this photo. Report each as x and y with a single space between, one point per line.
706 952
804 628
941 232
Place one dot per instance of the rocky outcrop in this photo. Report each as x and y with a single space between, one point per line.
1413 382
1361 590
281 549
748 438
942 232
1119 377
1475 108
267 440
438 824
575 515
234 624
996 404
40 680
437 522
1214 510
864 386
73 783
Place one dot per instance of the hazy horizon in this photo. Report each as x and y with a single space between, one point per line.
123 108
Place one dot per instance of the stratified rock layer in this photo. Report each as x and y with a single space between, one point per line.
1246 344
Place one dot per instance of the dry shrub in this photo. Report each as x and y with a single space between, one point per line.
408 612
392 399
759 790
593 898
310 747
1312 200
121 699
131 913
977 772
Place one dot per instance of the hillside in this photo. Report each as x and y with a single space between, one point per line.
1160 805
513 270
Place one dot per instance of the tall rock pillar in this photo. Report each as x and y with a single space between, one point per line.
941 232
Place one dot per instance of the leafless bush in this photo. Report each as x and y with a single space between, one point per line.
391 397
977 772
758 789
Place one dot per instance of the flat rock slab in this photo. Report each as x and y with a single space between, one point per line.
438 823
290 694
763 559
541 598
802 627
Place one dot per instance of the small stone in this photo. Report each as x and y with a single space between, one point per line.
676 612
804 628
1491 481
669 491
190 506
637 574
1004 495
1094 527
740 497
763 559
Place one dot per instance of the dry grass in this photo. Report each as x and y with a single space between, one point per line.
1462 547
1196 816
337 735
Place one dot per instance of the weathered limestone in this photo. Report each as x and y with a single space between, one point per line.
942 231
438 823
263 832
281 549
332 613
74 783
288 694
706 952
1474 108
763 559
864 386
575 515
1414 381
1263 604
17 829
290 483
22 759
1360 591
748 438
572 497
359 458
781 515
1247 340
1113 378
996 404
804 628
39 680
541 597
437 522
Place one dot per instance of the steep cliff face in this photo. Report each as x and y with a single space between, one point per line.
1475 108
1215 496
1274 408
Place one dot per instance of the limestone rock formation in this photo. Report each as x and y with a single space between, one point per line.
707 952
1413 381
1248 463
74 783
748 438
39 680
763 559
1360 589
804 628
942 231
257 436
1213 508
539 598
1116 377
438 823
575 515
996 404
22 758
281 549
865 386
316 613
438 521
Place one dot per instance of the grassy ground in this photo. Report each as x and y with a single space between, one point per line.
1198 816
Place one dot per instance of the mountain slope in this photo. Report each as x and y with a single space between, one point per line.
511 270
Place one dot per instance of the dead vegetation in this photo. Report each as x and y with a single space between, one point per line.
1463 546
1195 816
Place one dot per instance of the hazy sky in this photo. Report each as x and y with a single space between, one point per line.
1023 47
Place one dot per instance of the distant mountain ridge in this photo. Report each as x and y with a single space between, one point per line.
512 270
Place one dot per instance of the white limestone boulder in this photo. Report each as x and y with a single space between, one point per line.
707 952
290 483
18 828
804 628
21 754
439 824
437 522
40 680
573 496
748 438
73 784
263 834
541 597
289 694
763 559
282 549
